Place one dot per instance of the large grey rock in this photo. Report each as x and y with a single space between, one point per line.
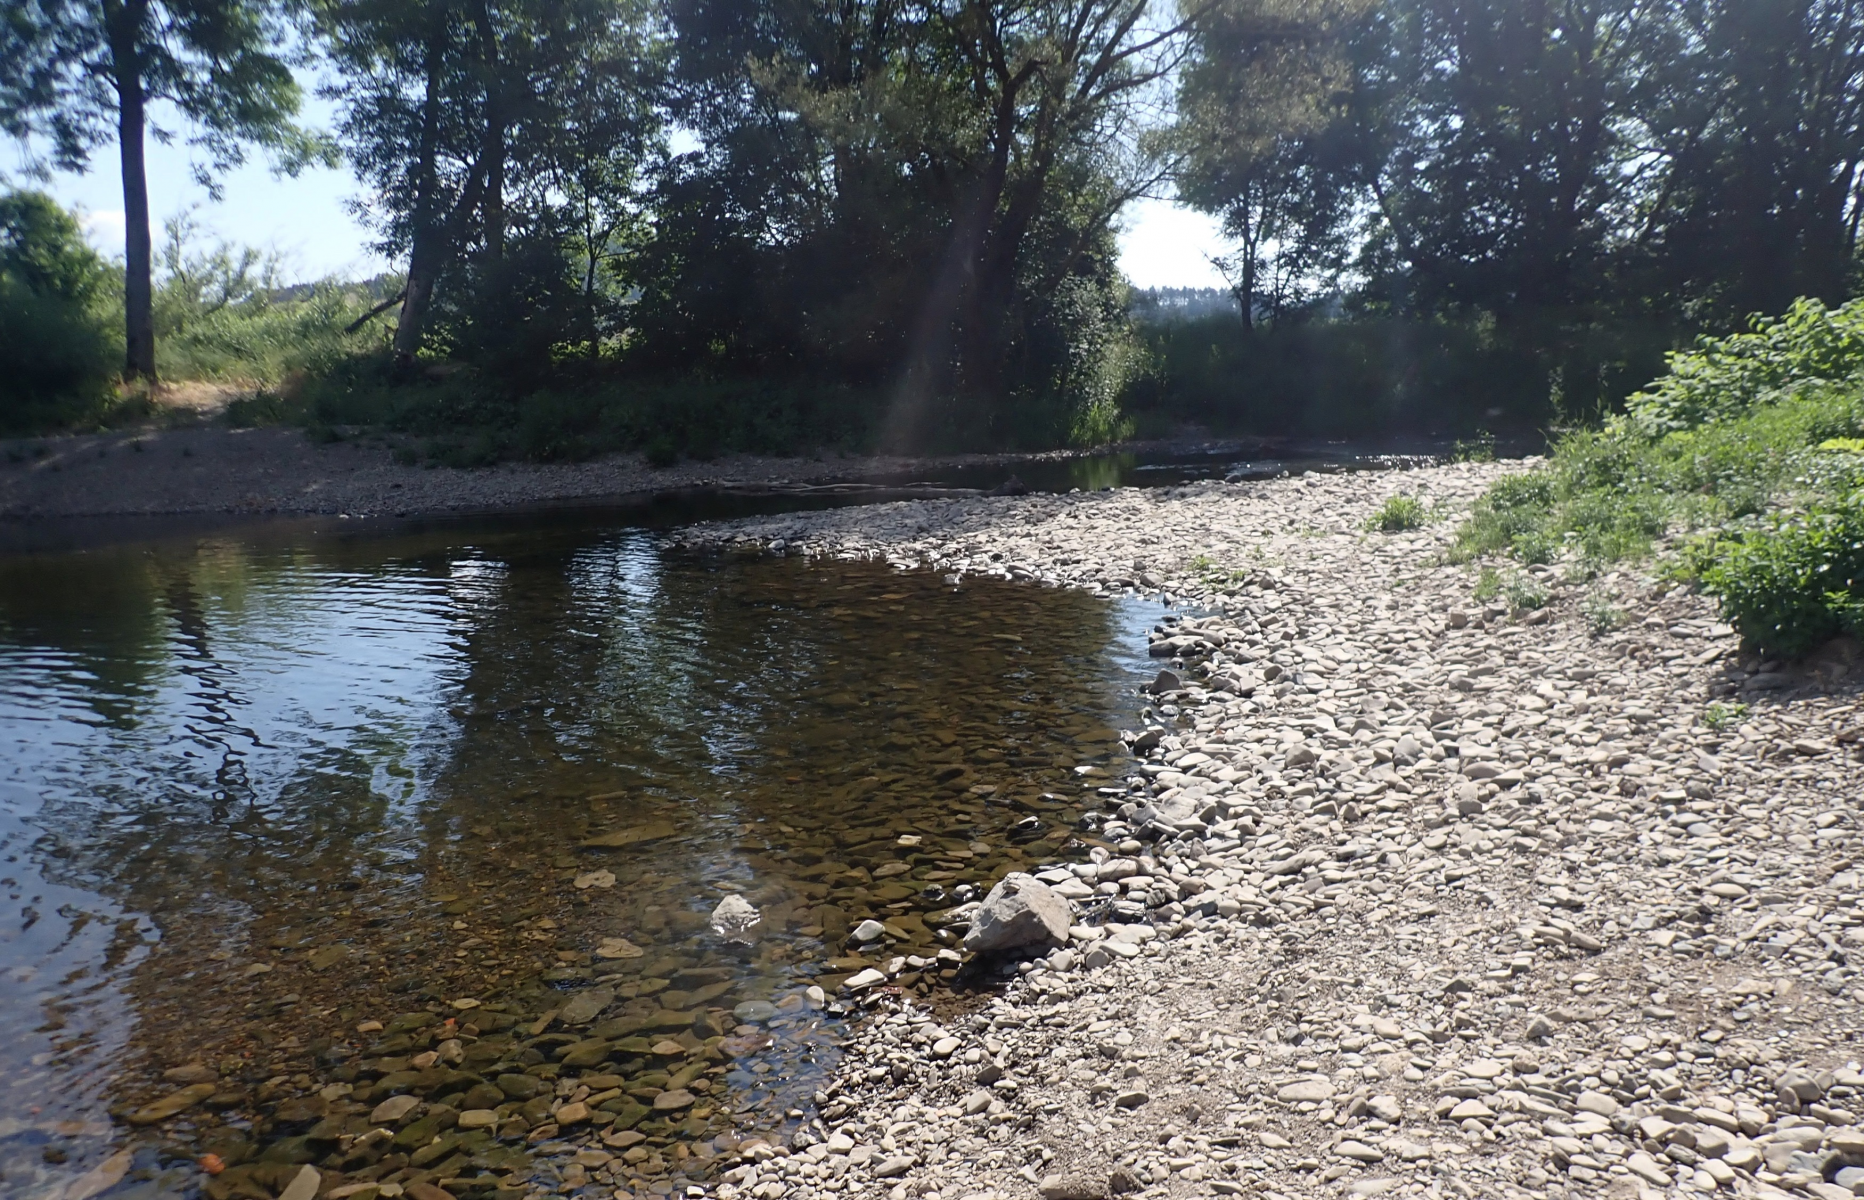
585 1007
1020 911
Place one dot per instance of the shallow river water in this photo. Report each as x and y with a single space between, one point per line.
261 790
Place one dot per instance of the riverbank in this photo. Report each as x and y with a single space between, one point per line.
1549 892
212 469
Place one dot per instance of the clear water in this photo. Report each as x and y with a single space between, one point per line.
258 788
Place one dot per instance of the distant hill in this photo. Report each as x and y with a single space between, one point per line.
379 287
1181 304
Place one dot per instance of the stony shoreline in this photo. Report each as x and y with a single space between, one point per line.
212 469
1409 894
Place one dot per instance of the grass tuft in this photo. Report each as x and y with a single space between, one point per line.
1399 514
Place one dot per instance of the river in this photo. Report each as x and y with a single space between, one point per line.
285 808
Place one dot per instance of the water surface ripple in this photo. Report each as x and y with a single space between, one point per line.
258 795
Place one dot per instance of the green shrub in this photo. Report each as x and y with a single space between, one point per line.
1793 584
1477 449
220 313
1607 494
1526 593
472 416
1376 373
57 351
1602 614
1399 514
1724 376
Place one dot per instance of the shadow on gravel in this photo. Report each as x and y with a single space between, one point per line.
1834 670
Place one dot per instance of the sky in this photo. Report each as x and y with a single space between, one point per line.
306 219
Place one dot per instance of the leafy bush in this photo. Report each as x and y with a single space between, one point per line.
1526 593
1480 448
1607 494
221 313
1374 374
1399 514
1724 376
470 417
57 352
1793 584
1754 438
1602 614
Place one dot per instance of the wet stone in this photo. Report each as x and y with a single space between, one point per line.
585 1007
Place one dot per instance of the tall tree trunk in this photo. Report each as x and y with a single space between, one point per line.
1246 290
493 149
495 194
124 23
424 255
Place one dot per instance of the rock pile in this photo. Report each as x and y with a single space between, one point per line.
1408 894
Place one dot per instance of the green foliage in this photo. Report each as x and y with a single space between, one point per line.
43 249
1792 584
80 75
1608 494
506 144
1451 216
1602 613
219 62
465 416
1477 449
1725 376
1734 443
1270 145
1523 592
222 314
1721 715
268 340
56 351
1368 374
1557 170
1526 593
1399 514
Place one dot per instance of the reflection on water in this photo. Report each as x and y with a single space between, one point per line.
257 798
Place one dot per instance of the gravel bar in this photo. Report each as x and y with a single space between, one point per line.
1406 895
199 469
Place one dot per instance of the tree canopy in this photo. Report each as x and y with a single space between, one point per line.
918 200
81 73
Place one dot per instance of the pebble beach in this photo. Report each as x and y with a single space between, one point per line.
1407 893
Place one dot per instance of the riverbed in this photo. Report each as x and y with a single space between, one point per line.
287 808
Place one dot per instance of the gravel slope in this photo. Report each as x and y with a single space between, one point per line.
1418 898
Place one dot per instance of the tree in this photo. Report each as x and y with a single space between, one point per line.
1755 109
454 109
55 349
1054 93
1270 144
910 192
81 72
1509 155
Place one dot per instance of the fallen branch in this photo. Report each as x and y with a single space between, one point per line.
377 311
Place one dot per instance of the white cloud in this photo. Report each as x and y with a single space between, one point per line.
105 227
1167 245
